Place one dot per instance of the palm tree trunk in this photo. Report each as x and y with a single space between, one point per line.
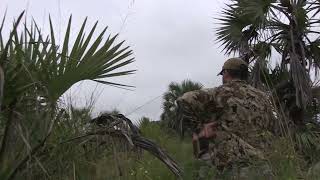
1 85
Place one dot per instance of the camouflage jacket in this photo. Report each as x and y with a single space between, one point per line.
245 120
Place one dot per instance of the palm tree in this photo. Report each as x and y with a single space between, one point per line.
170 115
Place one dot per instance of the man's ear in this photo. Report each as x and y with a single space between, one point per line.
243 68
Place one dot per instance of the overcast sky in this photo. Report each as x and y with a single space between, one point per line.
172 40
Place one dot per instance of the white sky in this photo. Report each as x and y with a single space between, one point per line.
172 40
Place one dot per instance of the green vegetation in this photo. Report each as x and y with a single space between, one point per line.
170 116
41 139
181 150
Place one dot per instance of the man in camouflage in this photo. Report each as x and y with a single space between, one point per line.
235 119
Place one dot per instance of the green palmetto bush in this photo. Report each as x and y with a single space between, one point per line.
36 73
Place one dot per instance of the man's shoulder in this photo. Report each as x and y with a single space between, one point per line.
242 90
210 90
256 91
231 87
239 85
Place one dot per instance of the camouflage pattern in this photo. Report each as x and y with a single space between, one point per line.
245 121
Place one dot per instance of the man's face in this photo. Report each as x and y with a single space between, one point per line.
225 77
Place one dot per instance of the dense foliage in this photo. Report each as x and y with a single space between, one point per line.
41 138
170 117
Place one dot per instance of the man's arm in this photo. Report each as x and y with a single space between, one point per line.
192 106
194 100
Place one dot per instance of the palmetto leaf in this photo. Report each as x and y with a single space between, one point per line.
37 72
313 7
230 34
236 17
93 63
313 54
37 61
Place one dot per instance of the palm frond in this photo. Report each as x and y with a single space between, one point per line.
313 7
119 126
84 62
236 17
313 55
230 32
308 138
38 61
301 81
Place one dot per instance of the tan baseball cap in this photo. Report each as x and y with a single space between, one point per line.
233 64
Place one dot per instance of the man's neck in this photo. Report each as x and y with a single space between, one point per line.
235 80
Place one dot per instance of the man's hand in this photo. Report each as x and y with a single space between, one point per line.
188 97
208 130
200 140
